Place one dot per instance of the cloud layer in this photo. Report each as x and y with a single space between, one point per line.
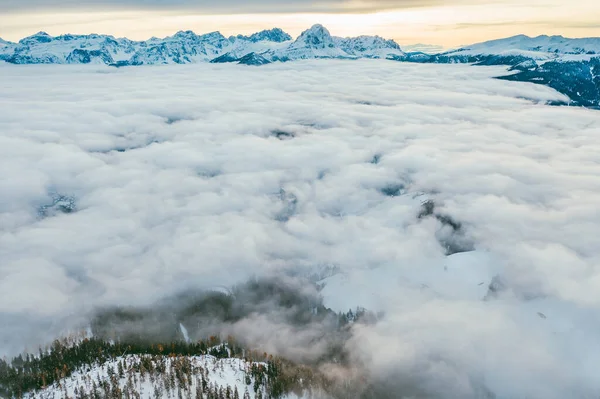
122 186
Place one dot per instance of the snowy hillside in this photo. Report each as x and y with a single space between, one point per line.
181 48
148 377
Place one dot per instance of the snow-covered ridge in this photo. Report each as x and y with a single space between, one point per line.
188 47
275 45
539 48
274 35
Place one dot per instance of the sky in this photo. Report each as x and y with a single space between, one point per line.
448 23
175 179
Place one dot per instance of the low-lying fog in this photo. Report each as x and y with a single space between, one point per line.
459 207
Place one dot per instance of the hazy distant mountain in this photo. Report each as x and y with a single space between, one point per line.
423 48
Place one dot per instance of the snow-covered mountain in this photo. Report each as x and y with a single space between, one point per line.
273 35
539 48
253 59
515 50
370 47
188 47
315 42
276 45
41 48
182 48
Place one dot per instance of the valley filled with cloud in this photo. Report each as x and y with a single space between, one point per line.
460 208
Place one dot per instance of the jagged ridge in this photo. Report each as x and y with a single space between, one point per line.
188 47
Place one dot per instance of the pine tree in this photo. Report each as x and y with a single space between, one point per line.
256 385
199 394
95 394
204 384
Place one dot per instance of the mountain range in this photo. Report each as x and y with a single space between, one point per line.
187 47
571 66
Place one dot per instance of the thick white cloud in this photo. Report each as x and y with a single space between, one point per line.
177 180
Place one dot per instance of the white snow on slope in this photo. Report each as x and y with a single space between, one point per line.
220 372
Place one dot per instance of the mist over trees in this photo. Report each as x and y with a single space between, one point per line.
150 343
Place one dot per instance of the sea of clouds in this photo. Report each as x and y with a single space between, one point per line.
121 186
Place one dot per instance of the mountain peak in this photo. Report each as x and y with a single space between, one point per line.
276 35
253 59
185 33
317 29
520 36
216 35
191 35
316 37
40 37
